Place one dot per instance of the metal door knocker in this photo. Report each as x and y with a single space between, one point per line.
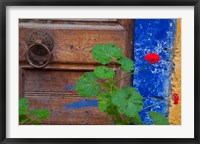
40 44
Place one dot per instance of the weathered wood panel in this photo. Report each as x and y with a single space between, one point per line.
60 115
73 44
73 41
51 82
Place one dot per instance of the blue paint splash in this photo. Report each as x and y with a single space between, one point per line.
69 87
82 104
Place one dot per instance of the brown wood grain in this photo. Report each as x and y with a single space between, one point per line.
50 81
60 115
73 46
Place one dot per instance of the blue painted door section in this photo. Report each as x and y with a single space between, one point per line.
151 35
157 36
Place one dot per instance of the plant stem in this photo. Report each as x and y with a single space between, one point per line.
153 105
130 74
111 88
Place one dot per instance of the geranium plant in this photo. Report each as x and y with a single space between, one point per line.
31 117
122 104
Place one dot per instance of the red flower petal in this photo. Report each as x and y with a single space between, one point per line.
176 98
152 58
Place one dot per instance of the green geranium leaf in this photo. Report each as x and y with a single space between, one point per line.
106 85
128 101
137 120
103 72
23 106
87 86
36 122
158 118
103 105
23 119
104 101
40 113
105 53
126 63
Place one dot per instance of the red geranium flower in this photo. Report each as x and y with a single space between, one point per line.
152 58
176 98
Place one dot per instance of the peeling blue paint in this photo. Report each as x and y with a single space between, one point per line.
82 103
157 36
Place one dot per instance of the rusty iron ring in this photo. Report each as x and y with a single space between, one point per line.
48 59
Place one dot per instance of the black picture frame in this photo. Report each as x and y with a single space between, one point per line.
5 3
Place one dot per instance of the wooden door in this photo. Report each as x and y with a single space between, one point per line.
70 42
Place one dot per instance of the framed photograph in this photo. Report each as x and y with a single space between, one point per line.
99 72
